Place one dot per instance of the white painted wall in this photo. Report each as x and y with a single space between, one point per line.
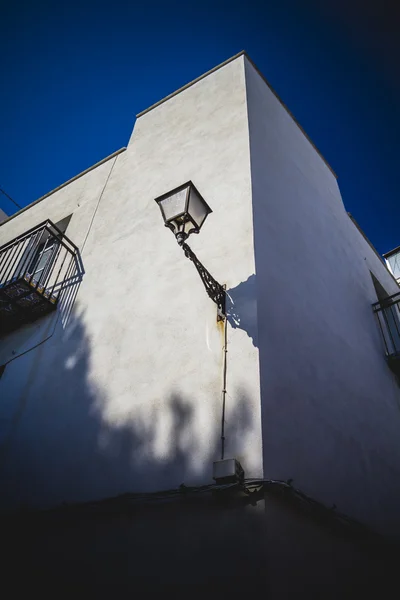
125 395
330 404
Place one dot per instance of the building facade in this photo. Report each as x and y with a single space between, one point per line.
120 386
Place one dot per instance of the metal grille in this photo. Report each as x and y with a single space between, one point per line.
388 314
33 270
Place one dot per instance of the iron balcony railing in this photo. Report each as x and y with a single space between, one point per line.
33 270
388 314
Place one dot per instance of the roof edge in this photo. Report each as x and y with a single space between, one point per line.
64 185
372 246
290 113
188 85
391 252
223 64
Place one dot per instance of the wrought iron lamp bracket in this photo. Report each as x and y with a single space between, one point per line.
214 289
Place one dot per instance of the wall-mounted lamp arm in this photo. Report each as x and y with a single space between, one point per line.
214 289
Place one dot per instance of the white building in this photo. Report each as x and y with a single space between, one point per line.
120 387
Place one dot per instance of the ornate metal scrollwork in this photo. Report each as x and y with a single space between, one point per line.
214 289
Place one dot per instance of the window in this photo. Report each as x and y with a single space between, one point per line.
45 254
43 259
394 264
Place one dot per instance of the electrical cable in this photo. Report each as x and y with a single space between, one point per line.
35 346
98 204
224 391
123 502
9 197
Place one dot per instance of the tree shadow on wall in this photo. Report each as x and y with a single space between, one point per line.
242 308
65 446
62 439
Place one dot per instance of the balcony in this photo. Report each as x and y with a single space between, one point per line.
388 314
34 269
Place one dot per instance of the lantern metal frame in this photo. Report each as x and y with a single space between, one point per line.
184 215
176 224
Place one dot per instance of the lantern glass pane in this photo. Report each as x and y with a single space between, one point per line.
174 205
198 209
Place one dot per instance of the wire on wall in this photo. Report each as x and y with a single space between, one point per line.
98 204
249 492
224 391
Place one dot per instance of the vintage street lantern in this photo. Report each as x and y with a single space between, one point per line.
184 211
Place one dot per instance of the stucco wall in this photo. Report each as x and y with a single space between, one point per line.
126 393
330 404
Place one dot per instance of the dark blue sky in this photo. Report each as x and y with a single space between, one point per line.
75 74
